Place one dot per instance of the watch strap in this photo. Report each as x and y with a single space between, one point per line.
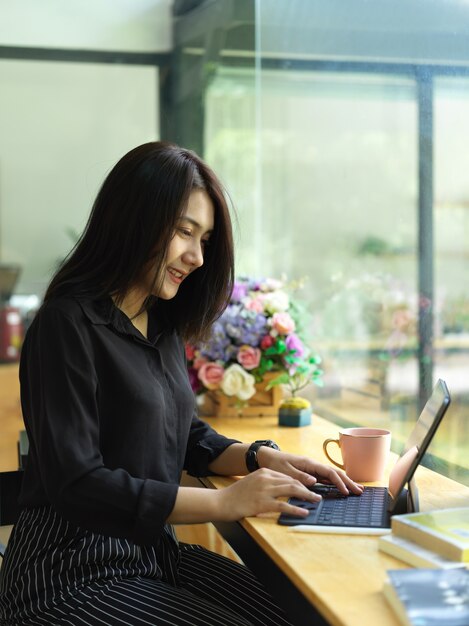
251 454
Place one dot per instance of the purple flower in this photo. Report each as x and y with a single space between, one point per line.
233 331
214 348
294 345
239 291
236 327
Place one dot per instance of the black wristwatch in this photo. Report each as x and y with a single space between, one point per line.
251 454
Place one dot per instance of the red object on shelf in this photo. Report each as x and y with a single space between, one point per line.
11 333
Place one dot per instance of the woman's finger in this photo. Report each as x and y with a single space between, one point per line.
295 491
306 479
291 509
340 480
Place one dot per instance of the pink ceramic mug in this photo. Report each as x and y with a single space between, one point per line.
365 452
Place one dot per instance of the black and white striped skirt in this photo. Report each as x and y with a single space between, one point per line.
55 573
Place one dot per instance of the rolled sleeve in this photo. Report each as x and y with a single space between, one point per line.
156 503
204 445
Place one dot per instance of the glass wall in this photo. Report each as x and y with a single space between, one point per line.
231 145
345 150
451 252
364 158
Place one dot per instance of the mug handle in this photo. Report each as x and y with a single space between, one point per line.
324 447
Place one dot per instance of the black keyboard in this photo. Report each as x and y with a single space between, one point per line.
367 510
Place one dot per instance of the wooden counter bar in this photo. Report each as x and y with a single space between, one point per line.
321 578
11 421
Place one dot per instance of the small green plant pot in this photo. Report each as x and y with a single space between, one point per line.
294 417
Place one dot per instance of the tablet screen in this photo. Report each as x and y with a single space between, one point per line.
418 440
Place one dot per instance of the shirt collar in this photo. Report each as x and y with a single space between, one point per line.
99 311
103 311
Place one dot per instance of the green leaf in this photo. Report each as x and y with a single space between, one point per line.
283 379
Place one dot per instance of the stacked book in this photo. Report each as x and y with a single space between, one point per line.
437 539
436 543
429 597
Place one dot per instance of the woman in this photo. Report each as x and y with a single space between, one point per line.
111 419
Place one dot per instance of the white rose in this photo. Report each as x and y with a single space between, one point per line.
275 302
237 382
272 284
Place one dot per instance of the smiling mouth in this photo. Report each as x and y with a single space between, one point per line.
177 277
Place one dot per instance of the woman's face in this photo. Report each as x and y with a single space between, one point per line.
186 250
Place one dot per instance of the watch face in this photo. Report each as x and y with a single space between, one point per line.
268 443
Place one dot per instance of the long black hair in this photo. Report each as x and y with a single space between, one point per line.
133 220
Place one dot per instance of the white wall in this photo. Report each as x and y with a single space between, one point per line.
125 25
62 127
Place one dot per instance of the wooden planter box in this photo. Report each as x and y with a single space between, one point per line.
264 403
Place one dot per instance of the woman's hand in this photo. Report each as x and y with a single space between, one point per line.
259 493
281 476
306 470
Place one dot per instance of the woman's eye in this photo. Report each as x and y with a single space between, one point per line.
185 231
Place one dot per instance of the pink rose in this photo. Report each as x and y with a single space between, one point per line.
198 362
283 323
249 357
267 342
254 305
211 374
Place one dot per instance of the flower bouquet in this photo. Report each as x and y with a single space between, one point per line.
257 340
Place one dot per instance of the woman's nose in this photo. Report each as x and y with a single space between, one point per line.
195 255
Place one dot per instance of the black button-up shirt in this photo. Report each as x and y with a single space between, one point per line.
111 419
